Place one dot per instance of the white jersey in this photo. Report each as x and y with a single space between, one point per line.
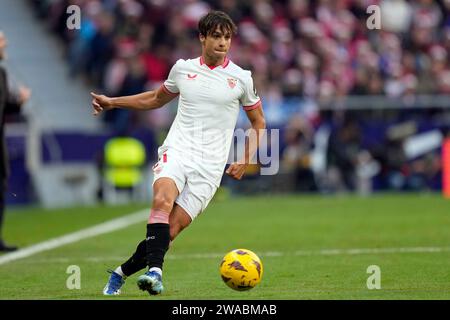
208 107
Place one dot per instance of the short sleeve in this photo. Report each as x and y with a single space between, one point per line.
170 85
250 99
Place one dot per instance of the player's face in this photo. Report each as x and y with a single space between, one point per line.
2 45
217 44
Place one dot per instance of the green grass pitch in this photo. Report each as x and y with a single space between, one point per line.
312 247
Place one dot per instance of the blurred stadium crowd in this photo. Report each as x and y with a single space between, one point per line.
303 54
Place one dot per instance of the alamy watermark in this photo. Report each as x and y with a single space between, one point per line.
212 146
374 20
73 22
374 280
267 154
74 280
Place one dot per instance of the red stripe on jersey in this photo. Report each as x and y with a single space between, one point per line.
225 63
164 157
253 106
163 86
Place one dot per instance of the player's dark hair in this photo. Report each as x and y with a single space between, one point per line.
209 23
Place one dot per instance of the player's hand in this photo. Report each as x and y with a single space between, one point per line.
24 94
100 103
236 170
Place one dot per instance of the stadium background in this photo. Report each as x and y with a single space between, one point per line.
359 111
349 101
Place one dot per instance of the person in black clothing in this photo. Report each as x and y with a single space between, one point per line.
343 149
9 103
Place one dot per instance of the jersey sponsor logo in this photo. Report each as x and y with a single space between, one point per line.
231 82
192 76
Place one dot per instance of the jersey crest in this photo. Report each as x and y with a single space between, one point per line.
232 82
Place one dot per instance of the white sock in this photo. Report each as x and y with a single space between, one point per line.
156 269
119 271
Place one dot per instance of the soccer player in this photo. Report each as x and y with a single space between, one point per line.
192 159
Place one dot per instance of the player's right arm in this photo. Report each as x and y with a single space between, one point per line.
142 101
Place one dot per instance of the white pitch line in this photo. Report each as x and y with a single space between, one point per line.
324 252
105 227
374 251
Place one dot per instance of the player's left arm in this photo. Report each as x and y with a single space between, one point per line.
256 116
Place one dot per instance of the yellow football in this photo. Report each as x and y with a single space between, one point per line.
241 269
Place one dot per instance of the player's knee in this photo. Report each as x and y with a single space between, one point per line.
162 202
